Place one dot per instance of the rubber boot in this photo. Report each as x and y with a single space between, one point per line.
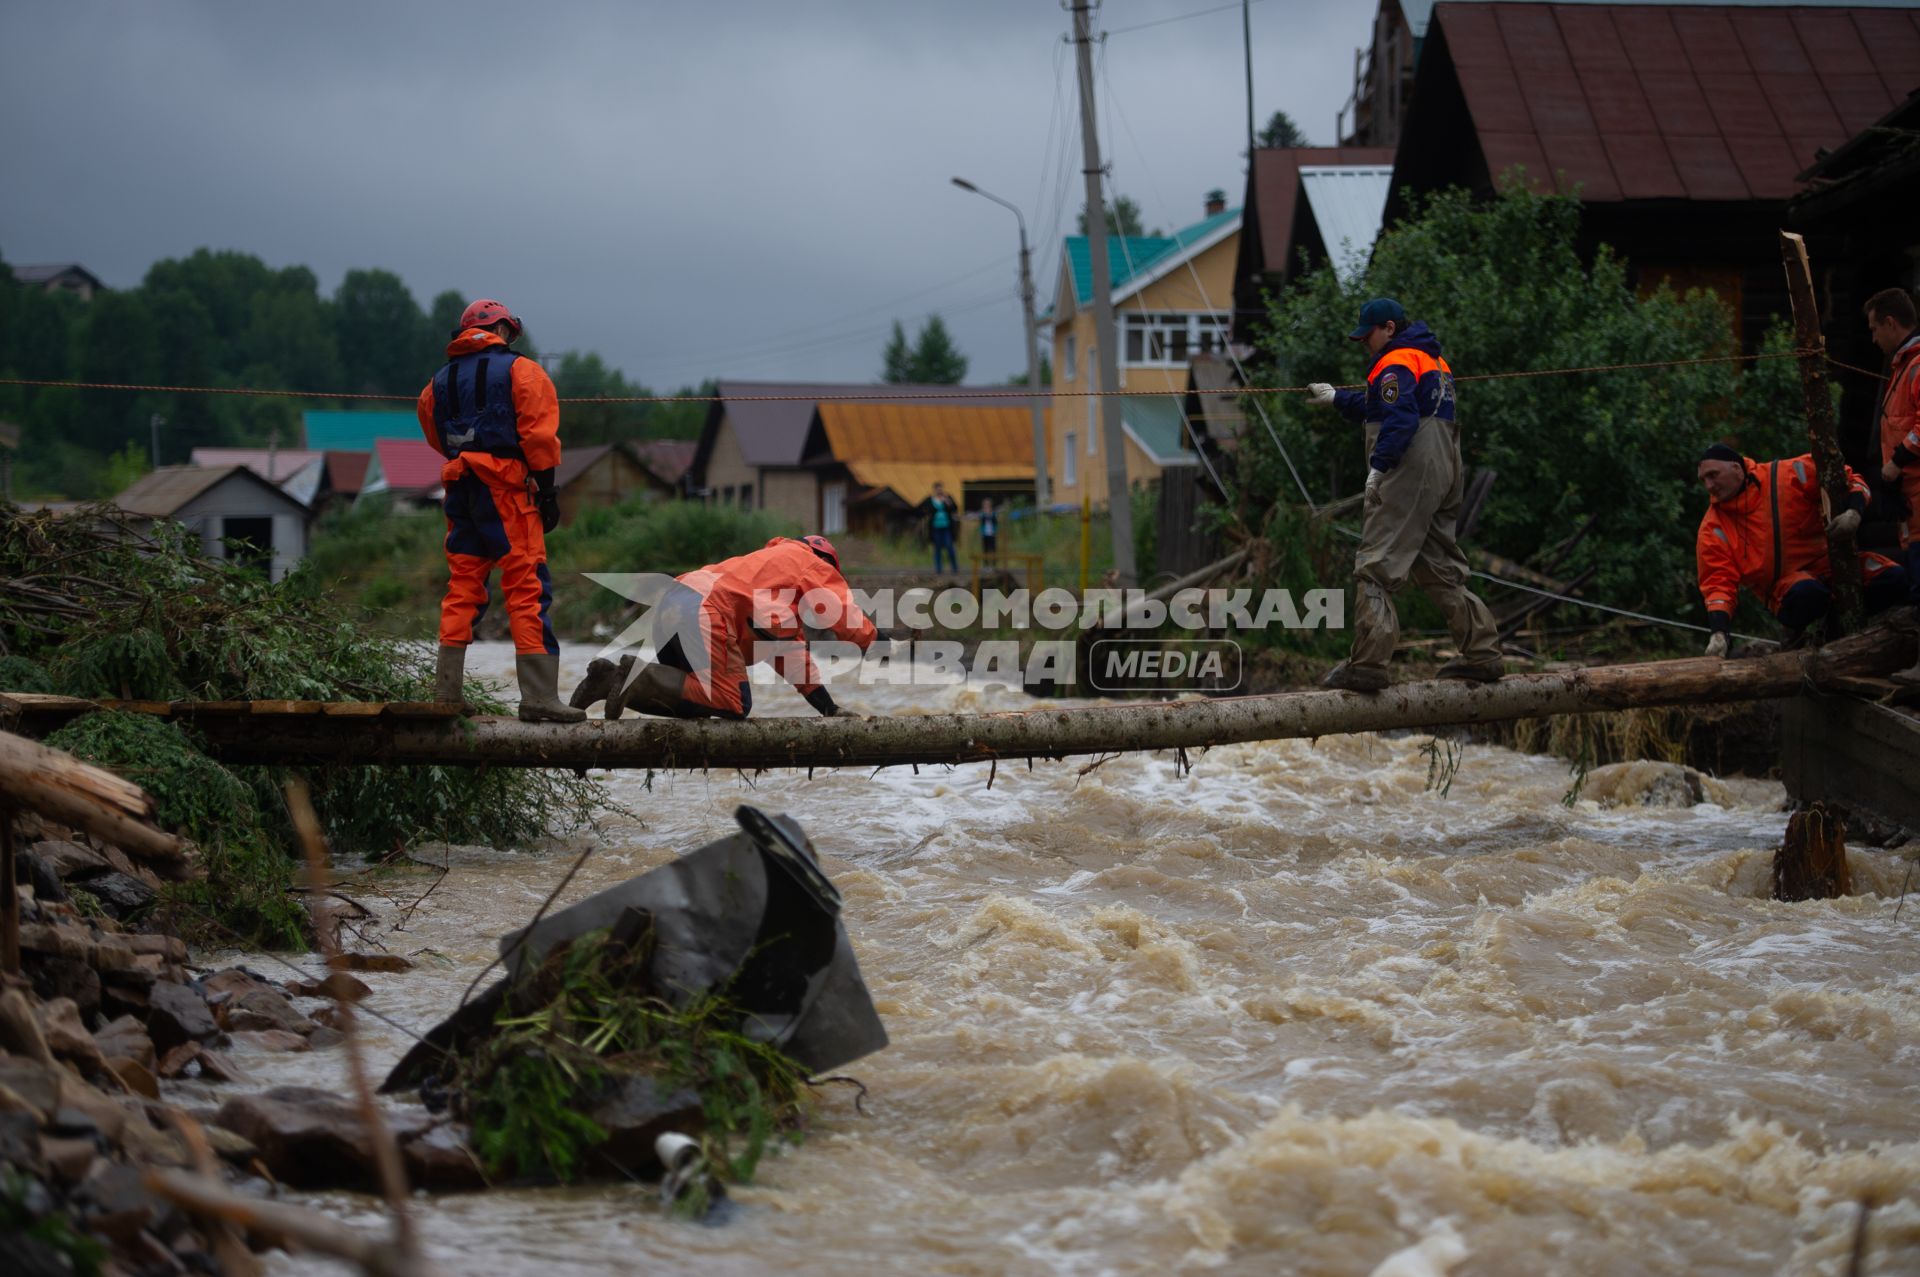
1348 677
654 690
450 676
603 679
539 675
1473 671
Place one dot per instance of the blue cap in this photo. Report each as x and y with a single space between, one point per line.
1379 311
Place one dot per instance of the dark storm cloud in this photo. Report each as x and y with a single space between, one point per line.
751 188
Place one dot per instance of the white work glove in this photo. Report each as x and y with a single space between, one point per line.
1844 524
1319 392
1717 645
1890 472
1372 495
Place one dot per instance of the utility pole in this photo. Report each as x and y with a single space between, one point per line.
1033 347
1246 40
1113 438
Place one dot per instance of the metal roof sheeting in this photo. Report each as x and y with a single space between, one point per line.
910 447
1349 203
1133 256
1158 425
1698 102
337 431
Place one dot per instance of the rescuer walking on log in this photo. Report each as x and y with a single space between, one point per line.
1766 528
495 417
1415 481
714 623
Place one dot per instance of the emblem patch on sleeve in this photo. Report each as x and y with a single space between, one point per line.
1389 389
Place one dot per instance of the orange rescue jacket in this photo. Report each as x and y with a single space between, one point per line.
1769 537
761 595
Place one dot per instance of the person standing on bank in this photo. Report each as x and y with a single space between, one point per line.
945 512
496 419
1415 481
989 532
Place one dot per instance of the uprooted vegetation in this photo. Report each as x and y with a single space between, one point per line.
93 605
548 1090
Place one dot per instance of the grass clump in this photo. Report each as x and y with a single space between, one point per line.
579 1026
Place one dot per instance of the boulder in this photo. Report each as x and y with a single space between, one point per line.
232 982
70 859
169 948
125 1038
68 1038
270 1040
634 1111
63 977
338 985
42 878
137 1077
369 962
258 1010
121 896
178 1013
216 1067
310 1138
114 1203
29 1086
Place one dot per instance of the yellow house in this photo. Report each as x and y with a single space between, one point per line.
1172 300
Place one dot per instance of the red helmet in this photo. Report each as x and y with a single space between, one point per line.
822 547
485 313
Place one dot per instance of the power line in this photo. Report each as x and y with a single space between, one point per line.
1178 17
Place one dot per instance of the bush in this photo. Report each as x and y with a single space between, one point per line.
157 620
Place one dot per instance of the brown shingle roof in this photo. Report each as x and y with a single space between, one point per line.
1701 102
163 493
909 446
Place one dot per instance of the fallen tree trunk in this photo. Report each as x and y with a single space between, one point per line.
90 799
1044 733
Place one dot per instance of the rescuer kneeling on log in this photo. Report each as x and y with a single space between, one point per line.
496 419
1415 481
1766 528
714 623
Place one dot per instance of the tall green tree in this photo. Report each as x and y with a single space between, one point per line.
381 333
1282 131
932 359
1123 218
896 359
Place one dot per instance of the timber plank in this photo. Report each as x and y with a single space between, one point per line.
41 702
287 707
159 709
353 709
423 709
213 709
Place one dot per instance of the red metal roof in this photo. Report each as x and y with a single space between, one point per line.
346 471
409 465
1702 102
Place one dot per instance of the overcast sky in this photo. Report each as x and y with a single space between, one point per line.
753 188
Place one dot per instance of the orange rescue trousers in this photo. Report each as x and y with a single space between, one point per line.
491 520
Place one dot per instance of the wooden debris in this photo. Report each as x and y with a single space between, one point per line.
91 799
1812 863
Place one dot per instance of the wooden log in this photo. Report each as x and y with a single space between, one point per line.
1811 864
1848 592
274 1223
849 741
91 799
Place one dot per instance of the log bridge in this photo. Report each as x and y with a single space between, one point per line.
332 734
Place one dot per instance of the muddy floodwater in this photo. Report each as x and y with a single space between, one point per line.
1291 1012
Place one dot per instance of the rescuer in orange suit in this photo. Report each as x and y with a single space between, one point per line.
1891 322
1766 528
495 418
726 616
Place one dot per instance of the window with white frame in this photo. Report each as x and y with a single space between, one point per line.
1071 461
1072 356
1167 339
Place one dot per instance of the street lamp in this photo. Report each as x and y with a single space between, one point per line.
1033 347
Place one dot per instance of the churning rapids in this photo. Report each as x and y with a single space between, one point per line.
1288 1013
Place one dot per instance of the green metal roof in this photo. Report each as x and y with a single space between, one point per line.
1131 255
1157 424
356 431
